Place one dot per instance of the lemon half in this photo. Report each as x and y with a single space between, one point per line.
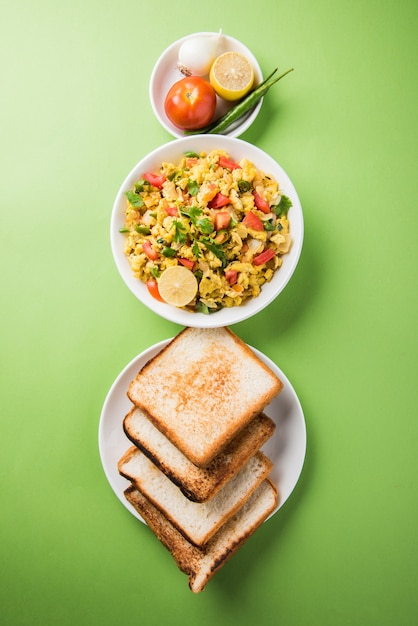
231 75
177 285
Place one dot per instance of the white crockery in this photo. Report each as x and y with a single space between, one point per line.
173 152
166 73
286 448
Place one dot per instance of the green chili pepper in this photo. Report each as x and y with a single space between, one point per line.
268 225
169 252
142 230
243 186
242 107
139 185
124 229
201 308
191 155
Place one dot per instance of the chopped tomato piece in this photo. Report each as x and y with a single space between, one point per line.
190 161
171 210
187 263
219 201
149 251
222 220
153 289
251 220
228 163
156 180
265 256
231 276
261 203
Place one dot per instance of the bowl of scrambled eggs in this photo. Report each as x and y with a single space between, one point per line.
206 230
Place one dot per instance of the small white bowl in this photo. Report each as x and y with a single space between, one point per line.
166 73
173 152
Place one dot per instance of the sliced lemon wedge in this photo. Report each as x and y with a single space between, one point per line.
177 285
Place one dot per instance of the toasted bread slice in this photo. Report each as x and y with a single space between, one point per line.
200 564
202 389
198 522
197 484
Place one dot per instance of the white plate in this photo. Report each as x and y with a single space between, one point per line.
166 73
286 448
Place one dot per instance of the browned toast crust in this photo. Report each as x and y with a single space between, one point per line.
201 484
202 389
200 564
196 521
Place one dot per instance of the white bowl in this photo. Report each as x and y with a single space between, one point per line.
166 73
173 152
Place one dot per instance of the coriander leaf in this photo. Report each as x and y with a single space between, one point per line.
192 187
192 213
215 249
205 225
283 207
196 250
135 199
180 232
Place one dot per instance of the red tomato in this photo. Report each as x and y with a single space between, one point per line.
265 256
156 180
261 203
228 164
231 276
153 289
171 210
187 263
222 220
190 103
251 220
149 251
218 201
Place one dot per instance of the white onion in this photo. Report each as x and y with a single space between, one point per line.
254 245
147 217
197 54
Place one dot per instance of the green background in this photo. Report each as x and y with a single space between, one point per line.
75 118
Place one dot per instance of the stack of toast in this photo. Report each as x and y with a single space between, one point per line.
197 474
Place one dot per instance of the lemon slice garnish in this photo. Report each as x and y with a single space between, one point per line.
231 75
177 285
